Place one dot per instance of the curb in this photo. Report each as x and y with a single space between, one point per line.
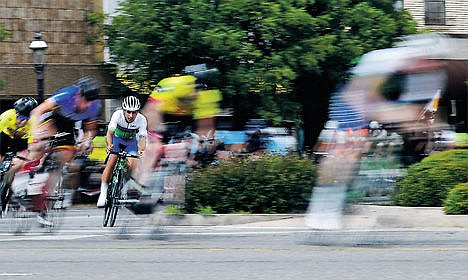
373 216
220 219
358 217
361 217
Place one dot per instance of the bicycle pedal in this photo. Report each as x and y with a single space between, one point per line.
54 197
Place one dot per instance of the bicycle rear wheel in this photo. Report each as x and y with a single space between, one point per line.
19 219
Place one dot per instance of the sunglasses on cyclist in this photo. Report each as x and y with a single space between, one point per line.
131 112
22 118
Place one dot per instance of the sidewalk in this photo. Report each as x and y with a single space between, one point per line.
362 217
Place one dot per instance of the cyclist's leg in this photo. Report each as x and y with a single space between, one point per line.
4 193
18 163
131 147
106 175
153 144
11 145
66 152
61 156
4 148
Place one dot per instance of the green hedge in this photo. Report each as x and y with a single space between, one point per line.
457 200
269 184
428 182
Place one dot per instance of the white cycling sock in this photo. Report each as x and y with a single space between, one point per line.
104 187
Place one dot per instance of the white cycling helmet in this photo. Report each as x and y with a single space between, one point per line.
131 103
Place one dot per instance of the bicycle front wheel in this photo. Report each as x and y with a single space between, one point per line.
55 201
108 206
117 195
4 192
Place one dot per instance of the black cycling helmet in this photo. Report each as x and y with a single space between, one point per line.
25 105
206 77
89 88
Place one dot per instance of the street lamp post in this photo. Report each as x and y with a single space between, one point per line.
38 47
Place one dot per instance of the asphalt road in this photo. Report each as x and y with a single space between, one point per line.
137 249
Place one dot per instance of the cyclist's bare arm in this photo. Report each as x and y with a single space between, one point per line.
109 138
141 145
206 128
38 130
153 115
153 140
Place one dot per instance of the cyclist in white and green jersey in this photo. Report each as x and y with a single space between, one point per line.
126 132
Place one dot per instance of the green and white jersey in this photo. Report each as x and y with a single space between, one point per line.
126 130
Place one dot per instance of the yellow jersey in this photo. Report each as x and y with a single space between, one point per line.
177 96
9 127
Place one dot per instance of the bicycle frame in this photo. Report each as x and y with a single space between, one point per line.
4 174
40 188
5 190
114 191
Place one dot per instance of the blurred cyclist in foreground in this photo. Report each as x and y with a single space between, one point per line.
191 100
14 136
58 113
15 126
127 131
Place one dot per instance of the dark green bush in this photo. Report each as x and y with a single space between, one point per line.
428 182
269 184
457 200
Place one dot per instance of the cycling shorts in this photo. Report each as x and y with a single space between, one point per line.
63 125
128 145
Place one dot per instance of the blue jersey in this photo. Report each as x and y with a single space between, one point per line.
65 105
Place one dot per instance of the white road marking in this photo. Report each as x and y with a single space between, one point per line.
47 237
16 274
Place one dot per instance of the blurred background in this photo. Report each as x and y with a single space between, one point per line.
380 81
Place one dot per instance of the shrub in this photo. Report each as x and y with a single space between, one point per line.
457 200
428 182
269 184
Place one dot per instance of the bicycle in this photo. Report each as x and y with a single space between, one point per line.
115 199
38 188
5 191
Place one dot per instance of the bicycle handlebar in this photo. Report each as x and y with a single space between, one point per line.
123 153
56 136
11 155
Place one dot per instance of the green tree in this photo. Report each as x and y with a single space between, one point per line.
3 33
274 56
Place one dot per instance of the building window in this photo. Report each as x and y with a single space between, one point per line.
434 11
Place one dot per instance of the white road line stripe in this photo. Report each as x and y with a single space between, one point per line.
16 274
48 237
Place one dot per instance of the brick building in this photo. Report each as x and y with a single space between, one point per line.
70 56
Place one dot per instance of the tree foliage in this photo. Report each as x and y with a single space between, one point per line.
274 56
